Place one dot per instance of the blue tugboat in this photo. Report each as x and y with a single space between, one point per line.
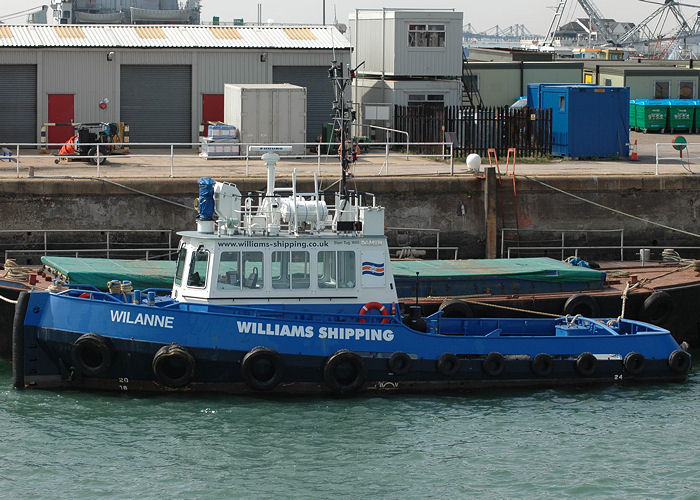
287 292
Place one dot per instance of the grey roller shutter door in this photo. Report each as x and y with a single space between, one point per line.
156 102
319 93
18 98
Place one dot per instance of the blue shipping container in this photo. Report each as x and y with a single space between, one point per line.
588 120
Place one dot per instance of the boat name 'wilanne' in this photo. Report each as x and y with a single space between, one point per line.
324 332
142 319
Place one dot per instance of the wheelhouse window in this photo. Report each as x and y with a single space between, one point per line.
253 270
346 270
180 269
336 269
199 263
290 269
229 275
426 35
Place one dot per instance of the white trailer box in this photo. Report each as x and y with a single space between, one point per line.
267 113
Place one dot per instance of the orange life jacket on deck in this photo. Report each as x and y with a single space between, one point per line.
68 147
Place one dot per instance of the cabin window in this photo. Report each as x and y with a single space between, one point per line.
661 90
686 90
198 269
426 35
229 275
326 270
253 270
346 270
294 265
336 269
180 269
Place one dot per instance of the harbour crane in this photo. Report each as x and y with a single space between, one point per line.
591 11
643 32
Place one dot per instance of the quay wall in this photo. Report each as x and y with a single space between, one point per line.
454 205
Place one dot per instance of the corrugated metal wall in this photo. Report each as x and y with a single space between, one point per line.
367 37
91 77
156 102
18 91
319 93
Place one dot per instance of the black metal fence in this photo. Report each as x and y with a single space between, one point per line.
475 130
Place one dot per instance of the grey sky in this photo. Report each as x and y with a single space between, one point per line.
482 14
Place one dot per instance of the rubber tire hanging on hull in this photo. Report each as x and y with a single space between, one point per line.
582 304
542 365
456 308
494 364
658 308
18 340
173 366
586 364
399 363
345 372
91 355
634 363
448 364
262 368
679 361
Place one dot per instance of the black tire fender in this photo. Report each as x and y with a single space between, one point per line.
586 364
634 363
173 366
679 361
456 308
18 340
494 364
262 368
345 372
542 365
448 364
399 363
91 355
658 308
582 304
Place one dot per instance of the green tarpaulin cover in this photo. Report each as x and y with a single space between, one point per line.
97 272
535 269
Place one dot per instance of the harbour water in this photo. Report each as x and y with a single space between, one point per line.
608 442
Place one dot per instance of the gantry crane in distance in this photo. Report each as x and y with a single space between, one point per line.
645 32
591 11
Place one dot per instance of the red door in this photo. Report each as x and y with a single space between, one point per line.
60 111
212 109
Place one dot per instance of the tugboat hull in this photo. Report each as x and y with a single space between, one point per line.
115 349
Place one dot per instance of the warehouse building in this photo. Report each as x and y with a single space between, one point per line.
163 81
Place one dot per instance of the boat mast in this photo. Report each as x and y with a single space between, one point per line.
343 116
